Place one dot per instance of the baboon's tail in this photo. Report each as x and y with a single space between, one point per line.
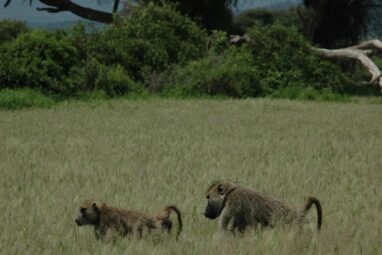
179 217
309 202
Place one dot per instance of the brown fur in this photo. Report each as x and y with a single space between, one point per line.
109 221
244 207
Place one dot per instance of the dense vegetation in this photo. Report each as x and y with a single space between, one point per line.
158 50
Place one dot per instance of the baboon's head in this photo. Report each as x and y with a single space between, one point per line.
215 198
89 213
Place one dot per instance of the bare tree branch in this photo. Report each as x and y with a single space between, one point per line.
361 53
7 3
115 6
67 5
56 6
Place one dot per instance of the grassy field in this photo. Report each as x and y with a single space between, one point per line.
146 154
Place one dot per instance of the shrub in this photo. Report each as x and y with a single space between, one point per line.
150 40
41 60
231 74
277 61
284 59
10 29
251 17
115 82
23 98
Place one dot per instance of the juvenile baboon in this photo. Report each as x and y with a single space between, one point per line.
243 207
109 221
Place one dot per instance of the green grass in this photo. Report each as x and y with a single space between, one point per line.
23 98
145 154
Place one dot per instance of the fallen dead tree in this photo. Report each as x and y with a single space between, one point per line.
361 52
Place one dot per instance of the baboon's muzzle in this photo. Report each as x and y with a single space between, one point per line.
210 212
78 222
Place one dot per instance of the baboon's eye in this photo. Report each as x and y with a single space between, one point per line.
208 197
83 210
221 190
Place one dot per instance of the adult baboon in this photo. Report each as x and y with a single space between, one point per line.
108 221
243 207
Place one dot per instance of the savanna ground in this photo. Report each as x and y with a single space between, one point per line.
149 153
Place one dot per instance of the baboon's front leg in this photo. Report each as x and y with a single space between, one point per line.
224 221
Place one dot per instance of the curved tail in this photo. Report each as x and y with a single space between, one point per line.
308 204
171 208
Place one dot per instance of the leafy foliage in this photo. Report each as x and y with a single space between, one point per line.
150 41
38 59
118 59
114 81
157 49
10 29
261 16
276 62
285 59
251 17
231 74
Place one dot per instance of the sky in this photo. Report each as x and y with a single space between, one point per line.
21 10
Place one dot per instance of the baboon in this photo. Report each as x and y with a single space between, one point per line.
244 207
109 221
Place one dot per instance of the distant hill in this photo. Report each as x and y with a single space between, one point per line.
281 5
61 24
52 25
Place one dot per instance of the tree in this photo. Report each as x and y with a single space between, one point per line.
343 23
10 29
251 17
210 14
56 6
340 23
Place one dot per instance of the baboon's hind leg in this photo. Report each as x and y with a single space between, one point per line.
167 225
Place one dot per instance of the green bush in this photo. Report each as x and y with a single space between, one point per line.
94 76
250 18
41 60
276 62
157 49
115 82
261 16
284 59
116 59
150 40
23 98
10 29
230 74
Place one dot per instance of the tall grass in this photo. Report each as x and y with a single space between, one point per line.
146 154
23 98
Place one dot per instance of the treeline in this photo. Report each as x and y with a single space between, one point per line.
157 50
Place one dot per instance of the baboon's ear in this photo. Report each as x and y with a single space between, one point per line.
221 189
95 207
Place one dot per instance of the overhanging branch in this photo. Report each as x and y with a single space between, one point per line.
56 6
67 5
